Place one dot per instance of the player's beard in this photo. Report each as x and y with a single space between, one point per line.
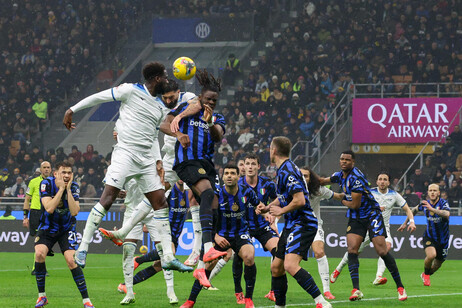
158 88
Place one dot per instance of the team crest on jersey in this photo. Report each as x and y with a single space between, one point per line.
43 187
182 203
432 214
201 171
349 228
235 207
244 199
428 243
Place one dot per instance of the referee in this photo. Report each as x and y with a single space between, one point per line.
33 211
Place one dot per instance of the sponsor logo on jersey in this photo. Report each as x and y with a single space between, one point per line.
199 124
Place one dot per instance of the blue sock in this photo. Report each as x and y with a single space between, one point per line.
40 273
250 275
79 279
148 257
237 273
142 275
306 281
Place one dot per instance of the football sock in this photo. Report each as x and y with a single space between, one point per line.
128 266
206 217
250 275
79 279
40 273
144 274
162 224
323 269
306 281
168 276
196 289
94 219
391 266
196 221
343 262
353 266
141 211
380 267
148 257
237 273
217 269
280 289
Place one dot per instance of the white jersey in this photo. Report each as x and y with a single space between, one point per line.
170 141
388 200
324 193
140 116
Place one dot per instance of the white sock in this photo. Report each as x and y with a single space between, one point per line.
200 264
42 294
277 306
343 262
162 223
168 276
86 300
128 267
141 211
197 228
217 269
94 219
380 267
320 299
160 252
323 269
207 247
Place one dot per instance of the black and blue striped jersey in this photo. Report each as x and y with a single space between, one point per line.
437 226
202 145
232 211
289 182
61 219
265 190
178 204
356 182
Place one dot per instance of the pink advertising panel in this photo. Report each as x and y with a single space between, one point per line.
403 120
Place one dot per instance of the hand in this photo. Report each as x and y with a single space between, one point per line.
208 112
411 228
69 184
401 228
59 181
276 210
25 223
184 140
145 229
382 208
261 208
221 241
114 135
270 218
67 120
122 194
175 124
426 205
160 171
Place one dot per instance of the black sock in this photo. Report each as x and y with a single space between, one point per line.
206 215
196 288
391 265
306 281
147 273
250 275
237 273
353 266
40 273
79 279
149 257
427 271
273 251
280 289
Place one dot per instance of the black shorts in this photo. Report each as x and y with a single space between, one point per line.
441 252
67 240
236 243
191 171
297 240
264 235
374 225
34 221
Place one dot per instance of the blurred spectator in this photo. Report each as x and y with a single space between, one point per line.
92 178
245 137
79 175
429 170
411 198
454 194
456 135
7 215
419 179
448 178
232 70
88 155
224 145
41 109
15 189
87 190
76 154
223 158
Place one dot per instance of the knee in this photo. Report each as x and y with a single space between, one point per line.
40 255
319 253
248 260
291 267
382 252
277 270
431 255
353 250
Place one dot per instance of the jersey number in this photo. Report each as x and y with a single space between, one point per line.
290 238
245 236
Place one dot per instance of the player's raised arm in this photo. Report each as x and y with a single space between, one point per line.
216 129
51 203
194 106
165 128
413 211
72 196
410 217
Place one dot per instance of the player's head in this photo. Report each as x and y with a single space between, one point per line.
65 169
230 175
312 180
241 166
45 169
211 87
280 147
433 192
156 77
383 180
251 165
347 160
170 93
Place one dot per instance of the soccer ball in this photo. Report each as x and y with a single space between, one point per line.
143 249
184 68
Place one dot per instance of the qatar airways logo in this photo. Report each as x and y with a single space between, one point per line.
199 124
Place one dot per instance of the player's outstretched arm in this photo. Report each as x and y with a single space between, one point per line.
194 106
442 213
411 228
165 128
298 201
338 196
413 211
216 131
324 181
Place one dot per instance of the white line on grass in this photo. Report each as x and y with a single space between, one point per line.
366 299
56 268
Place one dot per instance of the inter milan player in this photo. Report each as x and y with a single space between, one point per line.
436 236
197 129
387 199
300 226
233 231
136 155
59 196
365 217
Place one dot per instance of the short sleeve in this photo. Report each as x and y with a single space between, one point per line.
45 189
335 178
399 200
326 193
187 96
272 190
122 92
445 206
356 185
30 189
75 189
220 120
420 207
294 185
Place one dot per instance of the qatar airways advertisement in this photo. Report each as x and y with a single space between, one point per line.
403 120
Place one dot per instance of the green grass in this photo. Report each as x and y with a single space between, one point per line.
103 273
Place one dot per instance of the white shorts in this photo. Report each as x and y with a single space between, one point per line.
125 165
319 235
137 232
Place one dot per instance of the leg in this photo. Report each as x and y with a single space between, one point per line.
204 189
237 273
147 272
430 256
247 253
129 248
40 268
194 256
141 211
78 276
323 265
354 242
168 276
436 265
279 281
220 264
381 268
381 248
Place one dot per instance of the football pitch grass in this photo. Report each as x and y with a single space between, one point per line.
104 272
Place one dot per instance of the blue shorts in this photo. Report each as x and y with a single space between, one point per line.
296 240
